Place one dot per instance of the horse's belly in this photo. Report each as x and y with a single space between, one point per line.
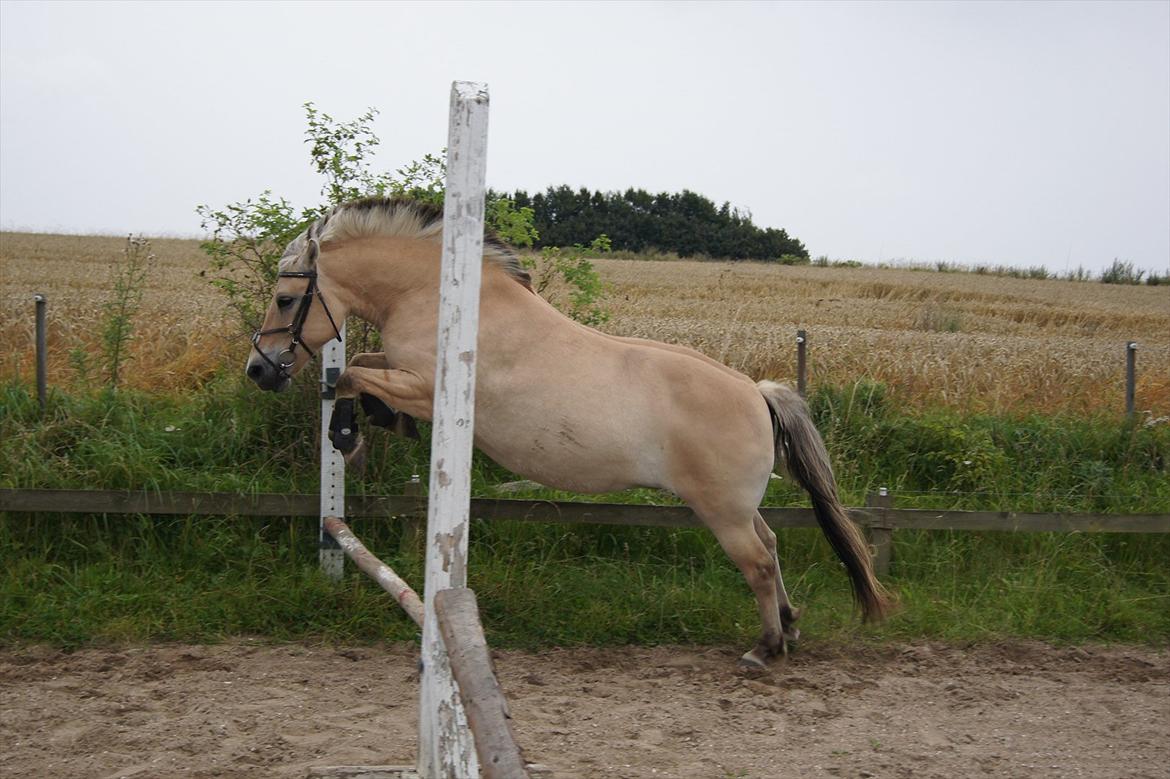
564 458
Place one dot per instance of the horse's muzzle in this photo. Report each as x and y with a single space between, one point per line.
266 375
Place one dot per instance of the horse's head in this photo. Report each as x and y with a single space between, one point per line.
298 322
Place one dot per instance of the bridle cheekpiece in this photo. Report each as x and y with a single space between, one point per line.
287 357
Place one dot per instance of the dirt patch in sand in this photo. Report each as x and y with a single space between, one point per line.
247 710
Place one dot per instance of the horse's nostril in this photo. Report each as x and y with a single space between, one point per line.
255 370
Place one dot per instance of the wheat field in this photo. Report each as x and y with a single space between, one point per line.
959 340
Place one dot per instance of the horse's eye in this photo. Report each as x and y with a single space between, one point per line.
284 301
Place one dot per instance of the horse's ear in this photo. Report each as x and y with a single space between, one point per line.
314 237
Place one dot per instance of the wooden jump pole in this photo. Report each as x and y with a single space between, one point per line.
445 741
377 570
471 664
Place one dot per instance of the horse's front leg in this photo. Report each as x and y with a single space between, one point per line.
344 433
404 391
379 412
369 360
389 397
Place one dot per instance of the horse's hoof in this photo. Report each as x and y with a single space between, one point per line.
355 459
753 661
764 653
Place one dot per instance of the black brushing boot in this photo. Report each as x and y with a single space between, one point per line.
343 429
382 415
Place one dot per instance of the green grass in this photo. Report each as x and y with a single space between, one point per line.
77 579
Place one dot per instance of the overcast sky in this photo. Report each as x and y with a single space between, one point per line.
1016 133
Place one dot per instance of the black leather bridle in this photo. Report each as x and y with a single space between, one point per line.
287 357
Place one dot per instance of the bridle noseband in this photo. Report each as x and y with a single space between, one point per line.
287 356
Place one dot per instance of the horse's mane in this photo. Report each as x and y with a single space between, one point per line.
390 217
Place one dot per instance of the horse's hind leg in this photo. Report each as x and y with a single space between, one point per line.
788 614
739 538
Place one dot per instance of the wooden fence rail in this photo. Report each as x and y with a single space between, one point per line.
563 512
878 517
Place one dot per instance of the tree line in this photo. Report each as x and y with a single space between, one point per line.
685 223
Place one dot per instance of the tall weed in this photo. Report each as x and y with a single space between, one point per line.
127 281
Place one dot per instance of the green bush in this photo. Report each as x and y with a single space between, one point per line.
572 265
1120 272
248 237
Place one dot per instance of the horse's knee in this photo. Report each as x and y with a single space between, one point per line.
369 360
347 384
356 380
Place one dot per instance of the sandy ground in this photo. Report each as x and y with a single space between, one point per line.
244 710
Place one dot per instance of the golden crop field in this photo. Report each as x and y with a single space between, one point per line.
180 332
961 340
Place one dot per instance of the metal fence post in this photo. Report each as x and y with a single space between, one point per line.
801 363
1130 376
330 553
413 526
880 534
42 355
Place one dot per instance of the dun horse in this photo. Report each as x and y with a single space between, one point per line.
558 402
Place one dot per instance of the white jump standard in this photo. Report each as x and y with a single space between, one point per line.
453 645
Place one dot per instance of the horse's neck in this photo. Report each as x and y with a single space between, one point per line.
393 284
382 275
